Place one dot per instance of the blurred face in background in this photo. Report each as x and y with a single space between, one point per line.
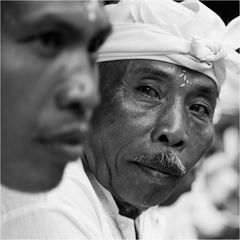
49 79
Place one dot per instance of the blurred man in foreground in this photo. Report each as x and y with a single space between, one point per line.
49 87
49 90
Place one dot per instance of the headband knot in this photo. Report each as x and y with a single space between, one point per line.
206 51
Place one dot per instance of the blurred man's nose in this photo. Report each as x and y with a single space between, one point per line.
79 93
170 129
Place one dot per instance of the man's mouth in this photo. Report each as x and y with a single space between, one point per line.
156 172
165 164
161 169
68 140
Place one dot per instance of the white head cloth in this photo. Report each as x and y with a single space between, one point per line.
187 34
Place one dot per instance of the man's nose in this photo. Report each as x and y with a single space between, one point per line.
79 92
79 95
170 129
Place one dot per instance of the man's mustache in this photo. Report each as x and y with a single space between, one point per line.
166 161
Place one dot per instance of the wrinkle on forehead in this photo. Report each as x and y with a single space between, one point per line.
167 71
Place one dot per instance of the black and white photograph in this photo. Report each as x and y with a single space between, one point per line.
120 119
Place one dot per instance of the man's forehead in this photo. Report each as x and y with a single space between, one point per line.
20 9
167 71
25 6
16 2
79 15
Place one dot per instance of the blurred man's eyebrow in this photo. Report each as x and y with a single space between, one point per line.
66 20
99 38
51 18
76 17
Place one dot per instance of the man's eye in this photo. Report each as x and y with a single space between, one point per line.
47 43
200 110
51 39
148 91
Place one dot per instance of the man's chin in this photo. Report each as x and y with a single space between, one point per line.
146 203
153 199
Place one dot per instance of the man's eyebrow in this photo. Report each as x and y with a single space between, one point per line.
52 21
211 91
99 38
55 16
48 20
158 73
68 22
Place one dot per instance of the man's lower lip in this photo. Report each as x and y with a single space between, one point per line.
70 151
155 174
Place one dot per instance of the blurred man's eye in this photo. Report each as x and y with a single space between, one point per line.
47 44
51 40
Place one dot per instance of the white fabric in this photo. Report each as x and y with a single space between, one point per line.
172 222
187 34
72 210
229 97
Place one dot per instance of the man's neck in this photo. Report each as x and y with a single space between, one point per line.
127 210
28 177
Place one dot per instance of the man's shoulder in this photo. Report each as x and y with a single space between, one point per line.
74 191
73 202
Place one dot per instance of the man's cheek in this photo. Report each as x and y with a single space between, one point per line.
134 114
203 141
201 133
207 136
19 66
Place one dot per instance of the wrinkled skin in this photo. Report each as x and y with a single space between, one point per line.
49 87
183 187
148 111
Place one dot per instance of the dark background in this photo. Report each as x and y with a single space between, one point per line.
227 10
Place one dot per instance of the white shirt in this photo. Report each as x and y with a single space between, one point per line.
171 222
79 207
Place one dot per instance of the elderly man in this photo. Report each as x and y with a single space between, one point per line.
161 71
